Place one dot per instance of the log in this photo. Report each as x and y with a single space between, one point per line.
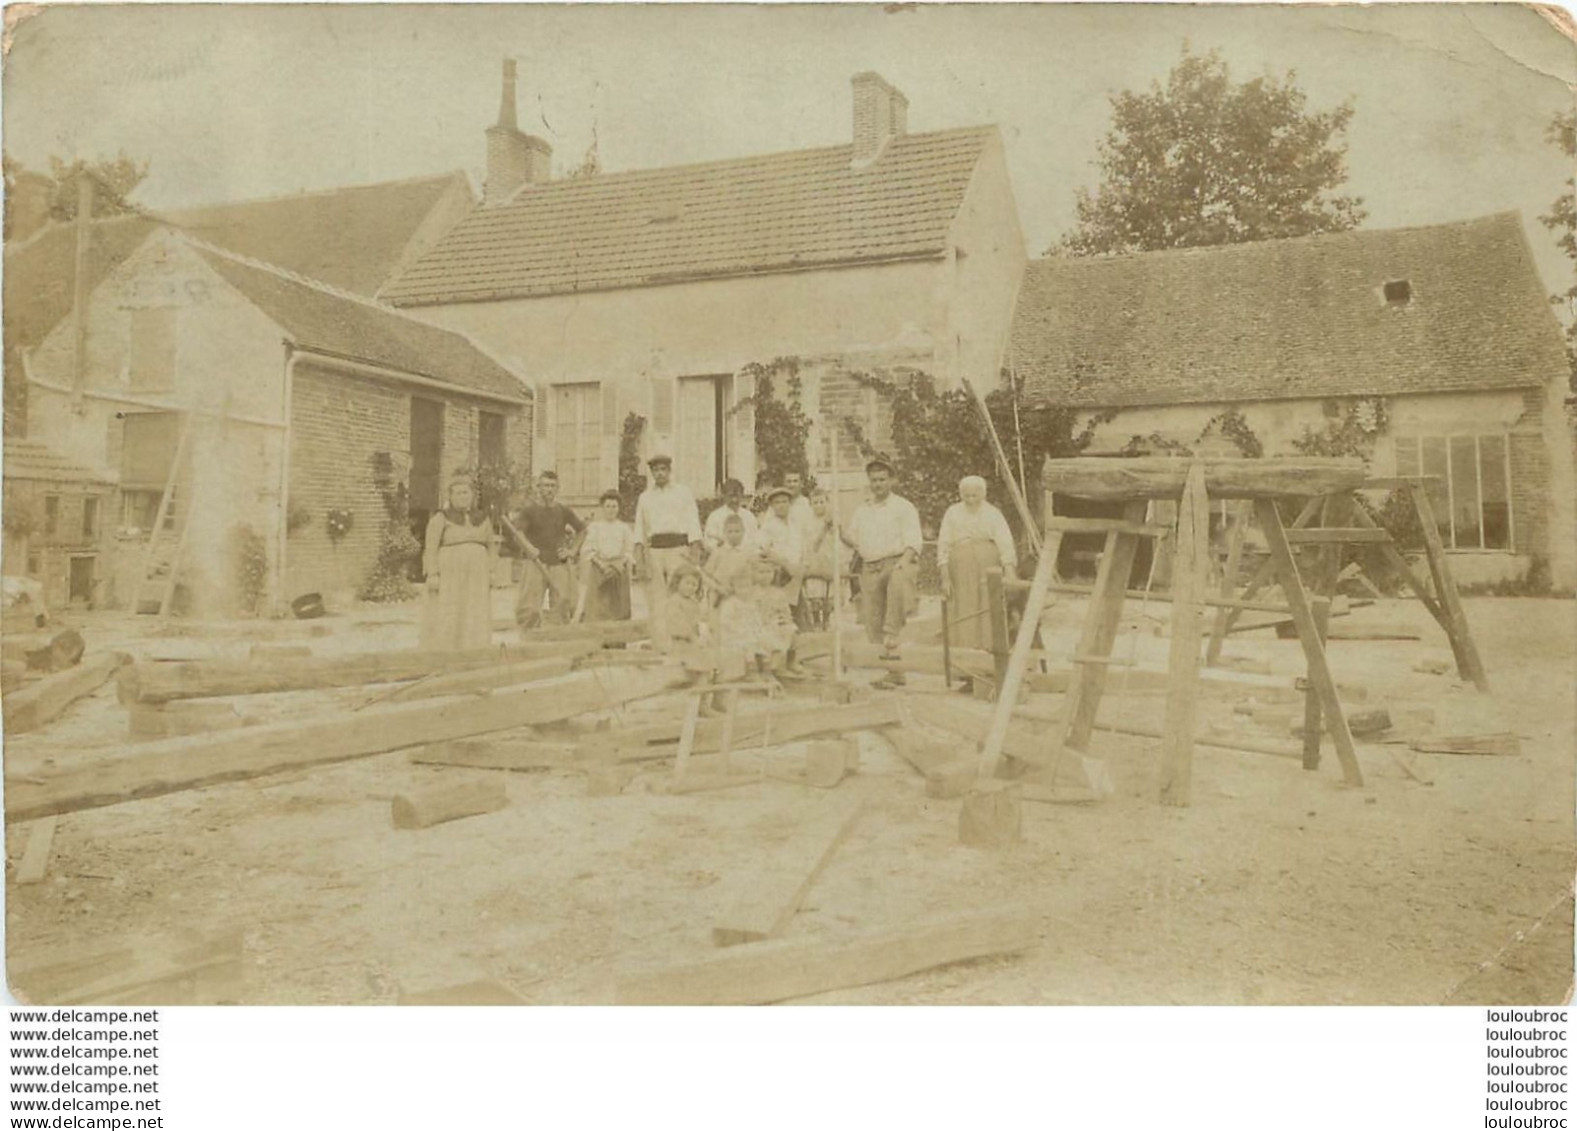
992 816
1504 743
1161 477
50 652
480 679
156 971
186 763
827 762
165 720
44 701
481 992
780 969
773 894
434 806
760 728
157 682
35 857
487 754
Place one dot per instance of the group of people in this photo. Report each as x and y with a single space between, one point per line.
728 597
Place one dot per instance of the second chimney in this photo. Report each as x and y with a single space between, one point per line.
513 158
881 113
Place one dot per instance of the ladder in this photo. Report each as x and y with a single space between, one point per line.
164 585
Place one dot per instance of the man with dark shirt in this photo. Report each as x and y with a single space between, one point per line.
551 532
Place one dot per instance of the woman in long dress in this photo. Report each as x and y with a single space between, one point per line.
974 538
458 612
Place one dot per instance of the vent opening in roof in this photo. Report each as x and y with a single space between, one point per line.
1398 292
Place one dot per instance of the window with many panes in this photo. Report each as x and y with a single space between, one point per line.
1469 488
577 438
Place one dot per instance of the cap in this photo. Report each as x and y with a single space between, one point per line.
879 465
776 491
660 458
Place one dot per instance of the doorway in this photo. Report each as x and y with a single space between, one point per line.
701 458
79 581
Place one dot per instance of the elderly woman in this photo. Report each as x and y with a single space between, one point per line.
458 612
974 538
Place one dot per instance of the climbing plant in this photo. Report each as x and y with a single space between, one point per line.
388 579
938 437
631 481
249 567
1351 429
781 426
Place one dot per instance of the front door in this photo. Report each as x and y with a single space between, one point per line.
427 455
80 582
701 458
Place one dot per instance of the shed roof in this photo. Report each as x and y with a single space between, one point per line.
778 212
30 459
324 320
1292 318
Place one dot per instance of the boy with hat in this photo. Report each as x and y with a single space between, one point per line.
885 533
733 507
667 522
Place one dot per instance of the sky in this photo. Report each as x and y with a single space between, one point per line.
240 101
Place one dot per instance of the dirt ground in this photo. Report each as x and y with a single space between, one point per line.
1276 886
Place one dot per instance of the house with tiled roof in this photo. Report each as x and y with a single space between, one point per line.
1436 344
652 292
355 238
297 398
56 515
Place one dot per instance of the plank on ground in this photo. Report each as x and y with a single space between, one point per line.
35 857
759 728
43 702
775 894
424 808
780 969
186 763
481 679
156 682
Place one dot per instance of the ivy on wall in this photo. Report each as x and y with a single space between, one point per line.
781 427
631 481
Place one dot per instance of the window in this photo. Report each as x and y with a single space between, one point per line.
90 517
148 443
1471 486
577 439
490 449
151 367
51 513
1398 292
140 509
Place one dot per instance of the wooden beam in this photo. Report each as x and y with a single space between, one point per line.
774 727
1338 536
480 680
186 763
1161 477
1469 666
917 659
1309 637
35 857
43 702
1190 573
424 808
1018 661
1105 526
1503 743
158 682
1238 518
482 754
780 969
776 887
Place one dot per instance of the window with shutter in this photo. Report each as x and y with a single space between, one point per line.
577 439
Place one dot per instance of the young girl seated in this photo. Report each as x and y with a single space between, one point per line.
755 626
685 620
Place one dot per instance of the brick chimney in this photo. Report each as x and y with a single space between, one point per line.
881 113
513 158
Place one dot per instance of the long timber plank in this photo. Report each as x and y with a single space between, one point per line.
197 760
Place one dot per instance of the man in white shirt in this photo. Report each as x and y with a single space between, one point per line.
778 539
885 532
667 523
733 504
799 506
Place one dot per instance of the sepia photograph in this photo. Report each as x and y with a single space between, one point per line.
863 505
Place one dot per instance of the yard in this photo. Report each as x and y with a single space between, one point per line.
1276 886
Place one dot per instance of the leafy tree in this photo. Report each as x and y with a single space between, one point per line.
1205 161
1562 219
114 181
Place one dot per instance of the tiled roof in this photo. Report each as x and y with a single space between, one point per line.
351 238
29 459
780 212
1290 318
321 319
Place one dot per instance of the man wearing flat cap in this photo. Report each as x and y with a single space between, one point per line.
885 532
667 522
778 538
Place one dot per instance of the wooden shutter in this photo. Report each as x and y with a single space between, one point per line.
611 424
663 405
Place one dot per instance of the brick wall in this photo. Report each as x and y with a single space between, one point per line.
339 423
1530 479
